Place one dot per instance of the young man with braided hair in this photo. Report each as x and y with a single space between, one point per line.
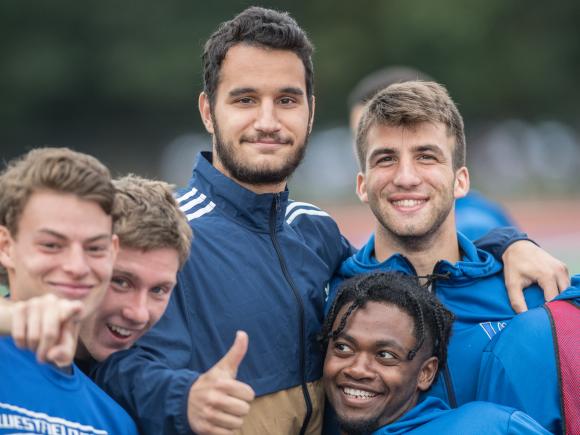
411 149
261 262
385 339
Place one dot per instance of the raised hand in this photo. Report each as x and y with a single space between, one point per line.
217 402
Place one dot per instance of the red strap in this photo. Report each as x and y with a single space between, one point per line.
565 317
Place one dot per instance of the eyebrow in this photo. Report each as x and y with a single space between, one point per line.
381 151
428 147
63 237
136 279
378 344
241 91
292 90
247 90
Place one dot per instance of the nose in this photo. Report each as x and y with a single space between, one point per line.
360 368
267 119
137 311
75 263
406 175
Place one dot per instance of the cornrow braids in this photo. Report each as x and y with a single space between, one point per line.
432 320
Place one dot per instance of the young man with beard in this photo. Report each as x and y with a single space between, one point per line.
411 149
385 339
475 215
56 237
261 262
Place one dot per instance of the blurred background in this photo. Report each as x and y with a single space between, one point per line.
120 80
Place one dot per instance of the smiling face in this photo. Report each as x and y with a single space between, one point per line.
409 181
136 299
367 377
260 119
63 246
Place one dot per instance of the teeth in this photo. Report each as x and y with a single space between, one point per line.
359 394
408 202
121 331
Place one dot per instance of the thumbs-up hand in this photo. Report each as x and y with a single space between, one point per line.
217 402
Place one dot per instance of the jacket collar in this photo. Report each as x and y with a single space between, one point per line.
247 208
474 263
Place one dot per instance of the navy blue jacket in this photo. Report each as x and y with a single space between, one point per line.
474 290
519 367
258 263
433 416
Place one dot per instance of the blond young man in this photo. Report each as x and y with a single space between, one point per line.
56 238
154 241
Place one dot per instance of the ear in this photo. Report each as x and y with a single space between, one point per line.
6 244
427 373
361 188
205 112
312 107
461 185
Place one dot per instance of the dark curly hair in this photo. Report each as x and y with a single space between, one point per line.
432 320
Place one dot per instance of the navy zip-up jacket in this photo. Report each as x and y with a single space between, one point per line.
474 290
258 263
519 366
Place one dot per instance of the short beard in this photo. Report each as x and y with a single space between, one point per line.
359 427
416 242
255 175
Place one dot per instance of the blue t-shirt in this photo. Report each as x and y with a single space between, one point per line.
38 398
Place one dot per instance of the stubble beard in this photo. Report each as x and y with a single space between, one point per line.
253 175
359 427
410 237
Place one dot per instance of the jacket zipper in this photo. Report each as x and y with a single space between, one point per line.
273 215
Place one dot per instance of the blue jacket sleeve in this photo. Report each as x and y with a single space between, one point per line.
522 424
499 239
152 380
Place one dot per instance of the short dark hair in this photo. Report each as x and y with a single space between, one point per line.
257 27
432 320
408 104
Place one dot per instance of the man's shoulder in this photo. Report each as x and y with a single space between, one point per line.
486 418
300 213
194 203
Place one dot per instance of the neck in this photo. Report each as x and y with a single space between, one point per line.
423 252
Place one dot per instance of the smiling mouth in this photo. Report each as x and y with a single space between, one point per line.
355 393
119 332
408 203
72 291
